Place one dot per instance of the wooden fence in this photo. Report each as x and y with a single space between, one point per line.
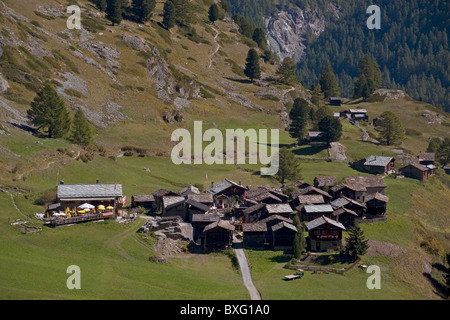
79 219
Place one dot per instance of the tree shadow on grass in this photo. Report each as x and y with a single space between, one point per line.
309 150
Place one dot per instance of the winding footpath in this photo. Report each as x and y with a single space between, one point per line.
245 270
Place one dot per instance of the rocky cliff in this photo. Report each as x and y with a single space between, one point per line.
289 31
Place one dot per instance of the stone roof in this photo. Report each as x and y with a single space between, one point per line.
284 224
162 193
376 196
323 181
309 190
189 189
67 191
171 201
220 224
321 221
318 208
254 227
415 165
344 210
378 161
278 208
253 208
198 205
201 217
201 197
222 186
276 217
343 201
311 199
427 156
144 198
366 181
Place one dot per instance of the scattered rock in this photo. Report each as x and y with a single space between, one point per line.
243 101
433 118
390 94
135 42
385 249
3 84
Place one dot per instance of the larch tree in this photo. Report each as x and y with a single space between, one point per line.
390 128
49 112
286 71
289 166
81 130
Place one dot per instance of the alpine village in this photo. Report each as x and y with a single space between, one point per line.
87 176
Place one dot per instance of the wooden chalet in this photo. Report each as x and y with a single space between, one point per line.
265 194
358 114
199 221
225 192
283 234
376 204
335 101
345 216
376 164
218 235
174 206
415 171
254 213
194 207
205 198
313 137
254 235
426 158
272 232
146 201
159 194
107 195
348 203
311 190
324 234
367 185
324 182
350 191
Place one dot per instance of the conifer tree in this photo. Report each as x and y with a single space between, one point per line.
299 115
168 15
286 71
369 78
114 11
260 38
213 12
101 5
390 128
357 244
142 9
299 245
289 166
331 129
81 130
317 95
49 112
252 68
328 82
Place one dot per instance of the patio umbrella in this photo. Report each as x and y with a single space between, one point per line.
101 207
86 206
109 207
